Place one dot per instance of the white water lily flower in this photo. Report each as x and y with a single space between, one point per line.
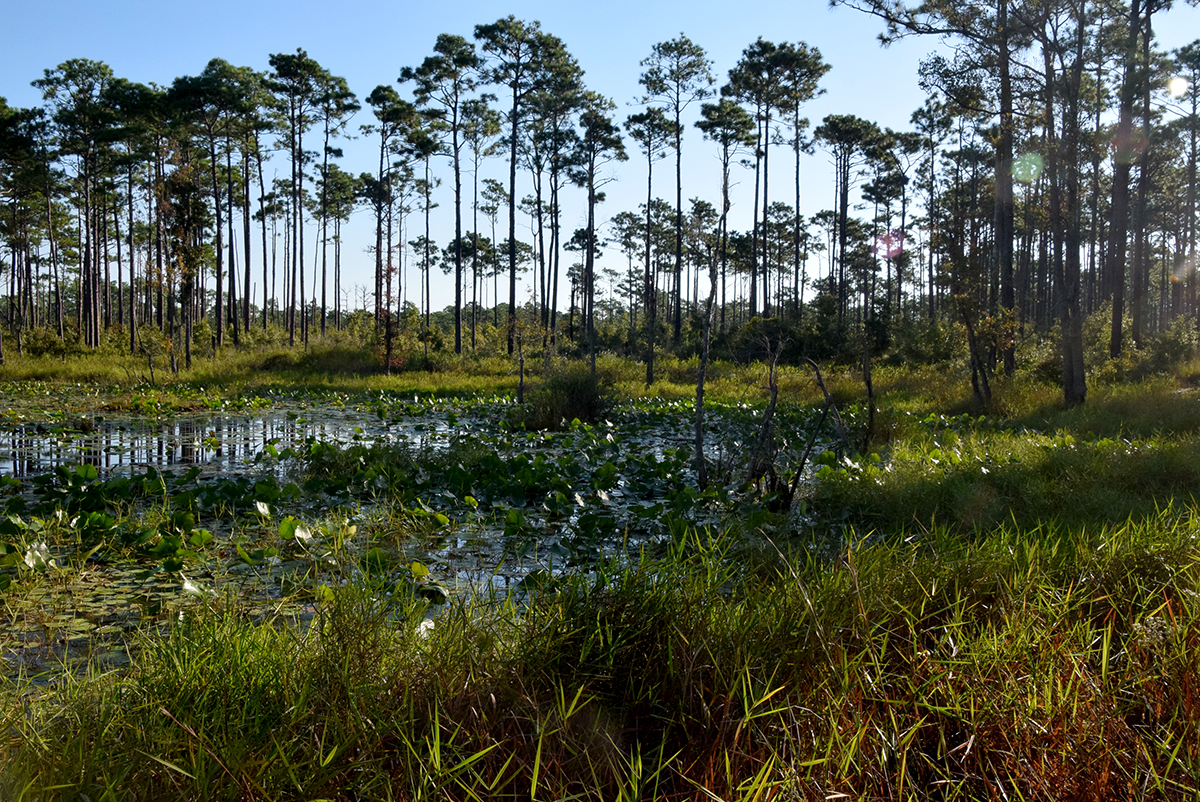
263 508
304 535
425 627
38 556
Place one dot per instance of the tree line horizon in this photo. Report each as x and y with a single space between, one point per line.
1049 176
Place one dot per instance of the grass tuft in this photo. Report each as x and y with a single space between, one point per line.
1050 662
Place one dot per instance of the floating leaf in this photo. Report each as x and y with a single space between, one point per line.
192 589
436 592
288 527
375 559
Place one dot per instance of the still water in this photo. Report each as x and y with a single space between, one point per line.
217 443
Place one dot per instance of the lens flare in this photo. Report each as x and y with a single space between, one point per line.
1178 86
889 245
1027 167
1184 268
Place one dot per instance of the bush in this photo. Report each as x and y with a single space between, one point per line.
569 393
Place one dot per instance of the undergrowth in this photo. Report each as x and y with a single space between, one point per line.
1039 663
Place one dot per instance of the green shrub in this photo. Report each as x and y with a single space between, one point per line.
569 393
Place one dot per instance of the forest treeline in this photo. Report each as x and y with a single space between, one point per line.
1050 176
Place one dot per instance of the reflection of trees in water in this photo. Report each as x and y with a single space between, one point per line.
220 442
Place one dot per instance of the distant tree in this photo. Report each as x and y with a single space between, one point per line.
396 120
495 197
799 68
296 81
678 74
481 129
556 99
74 92
628 230
340 191
848 139
1188 60
335 104
599 145
727 124
654 132
515 48
185 218
442 80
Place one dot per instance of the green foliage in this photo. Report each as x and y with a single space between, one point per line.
569 393
1026 659
917 342
989 601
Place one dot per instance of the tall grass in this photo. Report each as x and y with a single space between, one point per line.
1043 663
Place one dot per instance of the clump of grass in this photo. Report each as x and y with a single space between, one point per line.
1038 663
976 477
569 393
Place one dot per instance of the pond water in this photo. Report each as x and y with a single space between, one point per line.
218 443
476 503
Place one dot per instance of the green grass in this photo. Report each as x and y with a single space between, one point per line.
1131 451
997 604
1048 663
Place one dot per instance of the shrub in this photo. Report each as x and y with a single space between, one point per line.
569 393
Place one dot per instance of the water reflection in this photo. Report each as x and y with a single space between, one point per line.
219 443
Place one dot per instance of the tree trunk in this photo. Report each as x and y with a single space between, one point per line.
512 225
1119 227
1004 210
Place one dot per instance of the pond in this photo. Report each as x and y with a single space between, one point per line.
113 525
218 443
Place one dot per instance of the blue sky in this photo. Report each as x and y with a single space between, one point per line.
369 42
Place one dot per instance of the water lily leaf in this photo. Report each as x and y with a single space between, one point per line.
436 592
200 538
256 557
262 508
192 589
418 569
375 559
287 527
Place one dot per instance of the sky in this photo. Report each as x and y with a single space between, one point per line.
369 42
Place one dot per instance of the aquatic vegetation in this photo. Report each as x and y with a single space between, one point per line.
414 595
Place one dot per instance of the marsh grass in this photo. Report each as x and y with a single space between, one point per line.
1000 604
1040 663
570 393
1132 450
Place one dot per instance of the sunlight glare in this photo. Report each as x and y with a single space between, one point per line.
1184 268
889 245
1027 167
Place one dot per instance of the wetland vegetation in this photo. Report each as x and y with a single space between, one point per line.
266 579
